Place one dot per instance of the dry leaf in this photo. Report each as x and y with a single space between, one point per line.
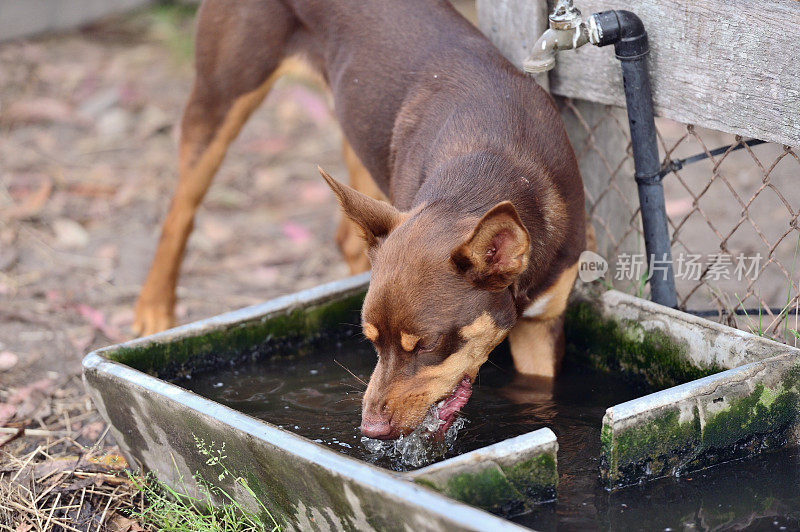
34 203
70 234
98 321
296 232
120 523
39 111
114 462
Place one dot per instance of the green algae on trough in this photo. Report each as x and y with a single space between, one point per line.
651 449
297 326
505 489
506 478
536 477
653 356
740 416
488 488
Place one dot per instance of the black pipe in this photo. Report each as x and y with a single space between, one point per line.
626 32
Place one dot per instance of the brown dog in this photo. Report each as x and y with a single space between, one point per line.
486 222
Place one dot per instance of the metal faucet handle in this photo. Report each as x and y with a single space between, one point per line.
565 16
567 32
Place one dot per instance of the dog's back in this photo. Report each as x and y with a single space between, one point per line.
379 55
415 85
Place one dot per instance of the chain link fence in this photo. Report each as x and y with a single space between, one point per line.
733 208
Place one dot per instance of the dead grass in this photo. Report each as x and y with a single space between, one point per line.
88 150
57 469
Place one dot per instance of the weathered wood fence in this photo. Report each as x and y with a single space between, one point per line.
731 66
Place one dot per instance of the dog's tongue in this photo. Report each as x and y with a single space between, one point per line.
456 402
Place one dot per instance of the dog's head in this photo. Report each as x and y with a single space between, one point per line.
438 303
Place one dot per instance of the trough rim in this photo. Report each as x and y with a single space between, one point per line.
358 471
369 476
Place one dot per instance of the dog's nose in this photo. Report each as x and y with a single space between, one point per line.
375 428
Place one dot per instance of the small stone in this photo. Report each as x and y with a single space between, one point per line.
99 102
113 123
70 234
152 120
8 360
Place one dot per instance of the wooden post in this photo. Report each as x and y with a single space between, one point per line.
729 65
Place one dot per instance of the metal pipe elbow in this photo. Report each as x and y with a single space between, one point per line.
621 28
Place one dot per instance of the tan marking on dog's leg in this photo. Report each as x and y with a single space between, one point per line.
537 346
348 236
537 339
197 165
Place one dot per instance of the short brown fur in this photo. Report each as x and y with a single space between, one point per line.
486 211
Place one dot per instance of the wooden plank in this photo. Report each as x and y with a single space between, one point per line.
21 18
512 25
730 65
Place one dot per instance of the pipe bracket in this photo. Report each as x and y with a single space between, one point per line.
651 179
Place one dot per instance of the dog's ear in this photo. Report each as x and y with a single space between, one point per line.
496 251
376 218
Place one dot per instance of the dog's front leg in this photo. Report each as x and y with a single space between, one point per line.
537 346
537 339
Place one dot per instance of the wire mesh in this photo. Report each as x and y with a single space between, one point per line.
733 217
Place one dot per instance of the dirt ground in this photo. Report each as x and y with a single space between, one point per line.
88 156
87 167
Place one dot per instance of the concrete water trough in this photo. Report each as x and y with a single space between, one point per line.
723 394
732 393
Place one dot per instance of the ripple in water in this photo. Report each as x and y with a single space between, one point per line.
424 446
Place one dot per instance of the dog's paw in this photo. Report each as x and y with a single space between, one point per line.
151 318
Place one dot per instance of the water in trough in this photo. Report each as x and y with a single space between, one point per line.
316 397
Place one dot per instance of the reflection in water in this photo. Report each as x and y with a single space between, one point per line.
315 397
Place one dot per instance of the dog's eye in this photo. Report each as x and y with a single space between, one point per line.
426 346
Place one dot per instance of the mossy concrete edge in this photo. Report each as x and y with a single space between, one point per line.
596 337
507 477
293 320
709 415
710 344
733 414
